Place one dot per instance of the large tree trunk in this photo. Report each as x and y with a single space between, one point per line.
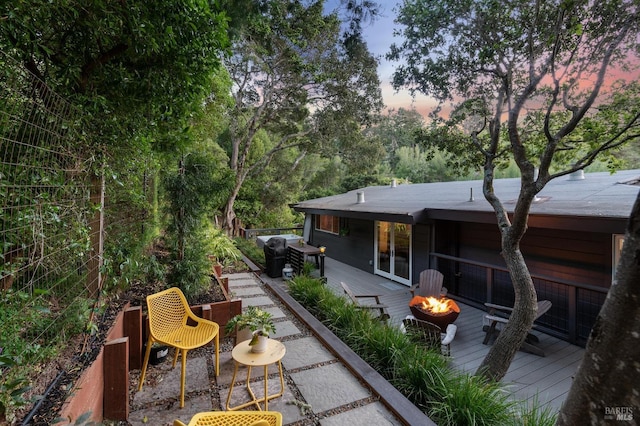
496 363
229 215
606 387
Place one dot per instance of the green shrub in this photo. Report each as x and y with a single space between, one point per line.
189 196
31 334
192 273
447 396
154 271
222 247
12 389
419 375
469 400
309 292
250 249
308 268
26 338
531 413
126 260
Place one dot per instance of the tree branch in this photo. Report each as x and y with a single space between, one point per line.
88 68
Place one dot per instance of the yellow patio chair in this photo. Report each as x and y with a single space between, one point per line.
171 322
234 418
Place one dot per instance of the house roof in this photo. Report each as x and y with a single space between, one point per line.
598 196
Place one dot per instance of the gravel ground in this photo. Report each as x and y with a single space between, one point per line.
51 386
72 365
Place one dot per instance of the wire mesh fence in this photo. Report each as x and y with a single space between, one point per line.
46 209
67 234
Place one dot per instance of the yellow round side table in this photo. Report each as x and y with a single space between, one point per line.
242 355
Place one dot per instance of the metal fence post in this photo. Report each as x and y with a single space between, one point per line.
94 264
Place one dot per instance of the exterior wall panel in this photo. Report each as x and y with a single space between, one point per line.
421 245
354 248
580 257
561 261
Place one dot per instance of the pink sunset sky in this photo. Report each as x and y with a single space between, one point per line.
379 37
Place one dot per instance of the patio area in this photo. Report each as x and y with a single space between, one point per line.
324 374
546 378
323 382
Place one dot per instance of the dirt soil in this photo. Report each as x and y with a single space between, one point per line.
55 380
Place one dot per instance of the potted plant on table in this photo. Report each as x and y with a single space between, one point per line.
255 324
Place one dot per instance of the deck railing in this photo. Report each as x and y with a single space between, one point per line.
575 306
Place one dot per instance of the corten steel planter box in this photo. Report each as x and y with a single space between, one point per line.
88 393
219 312
130 327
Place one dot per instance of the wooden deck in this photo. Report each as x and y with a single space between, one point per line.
530 377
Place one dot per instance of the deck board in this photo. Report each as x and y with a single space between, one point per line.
529 377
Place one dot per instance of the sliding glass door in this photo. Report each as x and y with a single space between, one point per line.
393 251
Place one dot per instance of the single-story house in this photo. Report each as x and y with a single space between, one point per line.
576 230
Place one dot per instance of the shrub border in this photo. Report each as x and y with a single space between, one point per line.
395 401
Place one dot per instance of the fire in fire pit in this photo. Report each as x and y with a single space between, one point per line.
440 312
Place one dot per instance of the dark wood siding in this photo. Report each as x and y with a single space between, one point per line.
446 237
580 257
572 269
355 248
421 249
480 242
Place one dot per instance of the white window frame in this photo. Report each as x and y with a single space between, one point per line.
618 242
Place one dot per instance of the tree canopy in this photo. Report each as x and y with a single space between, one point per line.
296 78
538 83
135 73
132 65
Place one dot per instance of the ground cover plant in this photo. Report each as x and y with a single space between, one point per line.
448 397
41 336
251 250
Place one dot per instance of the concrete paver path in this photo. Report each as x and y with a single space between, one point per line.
319 388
